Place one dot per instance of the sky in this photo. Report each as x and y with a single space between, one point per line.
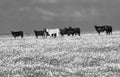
30 15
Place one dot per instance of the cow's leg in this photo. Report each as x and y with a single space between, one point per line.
107 32
36 36
52 35
73 34
111 31
44 35
21 36
57 34
79 34
76 34
68 34
98 32
62 35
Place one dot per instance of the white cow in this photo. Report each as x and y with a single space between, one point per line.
53 31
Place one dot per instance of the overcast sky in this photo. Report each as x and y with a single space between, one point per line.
28 15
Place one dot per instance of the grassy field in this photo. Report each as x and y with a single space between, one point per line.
90 55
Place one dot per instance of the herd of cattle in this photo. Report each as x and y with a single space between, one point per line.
61 32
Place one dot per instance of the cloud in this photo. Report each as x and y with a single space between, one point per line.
93 1
71 11
65 1
63 14
46 12
45 1
67 13
94 12
48 1
79 13
75 14
46 15
24 8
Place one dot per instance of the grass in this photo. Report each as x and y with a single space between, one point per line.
90 55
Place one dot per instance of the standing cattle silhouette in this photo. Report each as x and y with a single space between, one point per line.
63 32
70 31
110 29
40 33
107 28
53 32
76 31
17 33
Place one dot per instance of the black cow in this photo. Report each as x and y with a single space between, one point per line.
17 33
110 29
76 31
107 28
70 31
40 33
63 31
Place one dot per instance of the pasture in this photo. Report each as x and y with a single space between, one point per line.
87 55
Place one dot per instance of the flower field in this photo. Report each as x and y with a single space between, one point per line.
88 55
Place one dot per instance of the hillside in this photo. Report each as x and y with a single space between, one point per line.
88 55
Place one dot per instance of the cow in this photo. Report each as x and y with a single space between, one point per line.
107 28
76 31
70 31
17 33
40 33
63 31
110 29
52 32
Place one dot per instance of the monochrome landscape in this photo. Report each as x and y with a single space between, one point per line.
59 38
87 55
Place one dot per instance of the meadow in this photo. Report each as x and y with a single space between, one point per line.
88 55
